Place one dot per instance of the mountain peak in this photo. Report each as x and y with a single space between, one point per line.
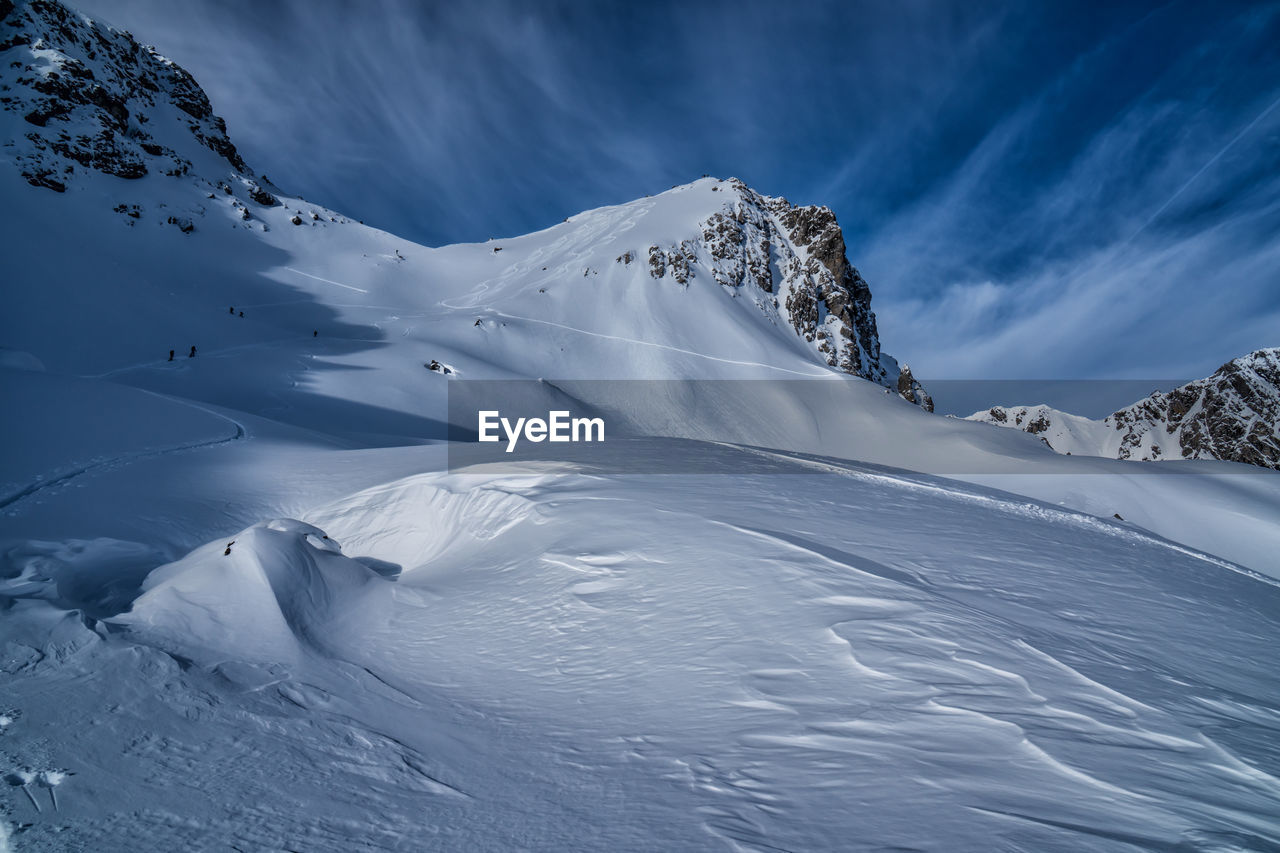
84 97
795 258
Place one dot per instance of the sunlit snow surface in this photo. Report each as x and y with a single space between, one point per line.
854 660
836 653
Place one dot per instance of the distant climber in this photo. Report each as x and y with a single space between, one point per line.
192 354
316 333
231 310
171 355
227 553
241 313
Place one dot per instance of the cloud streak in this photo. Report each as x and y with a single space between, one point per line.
1031 189
1152 252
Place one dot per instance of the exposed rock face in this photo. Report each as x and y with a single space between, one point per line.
265 198
675 260
794 259
91 98
911 390
1233 415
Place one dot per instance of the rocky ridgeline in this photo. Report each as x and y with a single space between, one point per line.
88 97
1032 419
795 255
1233 415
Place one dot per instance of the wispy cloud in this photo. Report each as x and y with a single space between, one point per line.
1151 251
1029 188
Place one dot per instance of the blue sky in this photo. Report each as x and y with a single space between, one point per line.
1032 189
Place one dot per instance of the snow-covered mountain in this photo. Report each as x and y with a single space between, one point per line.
1233 415
245 605
82 98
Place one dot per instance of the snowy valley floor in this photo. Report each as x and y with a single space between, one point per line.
826 656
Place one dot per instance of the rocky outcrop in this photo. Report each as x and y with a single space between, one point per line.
261 196
912 391
90 98
1233 415
675 261
793 260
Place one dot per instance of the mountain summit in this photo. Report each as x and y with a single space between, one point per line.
797 255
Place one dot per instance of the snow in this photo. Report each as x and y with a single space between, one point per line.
248 604
559 661
552 660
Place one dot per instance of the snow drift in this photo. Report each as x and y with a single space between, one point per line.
273 592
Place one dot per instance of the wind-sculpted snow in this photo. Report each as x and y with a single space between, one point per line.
429 520
267 594
554 661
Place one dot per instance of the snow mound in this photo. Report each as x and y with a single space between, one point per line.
275 592
431 521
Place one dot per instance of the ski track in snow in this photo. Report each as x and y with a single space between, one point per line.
129 458
576 246
326 280
824 374
1018 507
159 363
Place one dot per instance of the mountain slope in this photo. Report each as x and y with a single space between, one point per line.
93 99
84 103
341 321
1233 415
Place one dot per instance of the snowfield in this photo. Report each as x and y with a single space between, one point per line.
560 661
246 603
